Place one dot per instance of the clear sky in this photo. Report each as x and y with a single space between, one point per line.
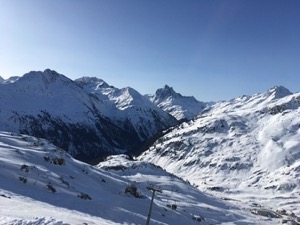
211 49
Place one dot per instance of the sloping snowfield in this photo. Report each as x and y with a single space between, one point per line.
245 150
42 184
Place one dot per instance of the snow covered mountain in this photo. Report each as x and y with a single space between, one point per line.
245 152
246 149
50 105
42 184
183 108
128 108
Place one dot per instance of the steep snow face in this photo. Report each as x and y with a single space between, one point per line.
279 92
181 107
246 149
46 91
129 109
127 97
42 184
121 98
91 84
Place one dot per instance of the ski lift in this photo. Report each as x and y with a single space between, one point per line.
152 188
172 206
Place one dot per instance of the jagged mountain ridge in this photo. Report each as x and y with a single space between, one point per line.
128 108
246 149
183 108
50 105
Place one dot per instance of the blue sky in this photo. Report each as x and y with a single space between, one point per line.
211 49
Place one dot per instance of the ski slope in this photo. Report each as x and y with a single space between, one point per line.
42 184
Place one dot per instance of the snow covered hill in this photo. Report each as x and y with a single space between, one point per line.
246 149
88 125
42 184
183 108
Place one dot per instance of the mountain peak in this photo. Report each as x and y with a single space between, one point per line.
47 74
279 92
165 92
50 72
181 107
41 78
1 79
167 87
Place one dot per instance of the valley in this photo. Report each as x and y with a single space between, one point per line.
227 162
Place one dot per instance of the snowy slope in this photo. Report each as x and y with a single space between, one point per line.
181 107
128 108
42 184
247 149
46 90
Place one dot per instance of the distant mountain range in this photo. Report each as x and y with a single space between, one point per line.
87 117
245 151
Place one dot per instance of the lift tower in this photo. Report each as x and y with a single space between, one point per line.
153 189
